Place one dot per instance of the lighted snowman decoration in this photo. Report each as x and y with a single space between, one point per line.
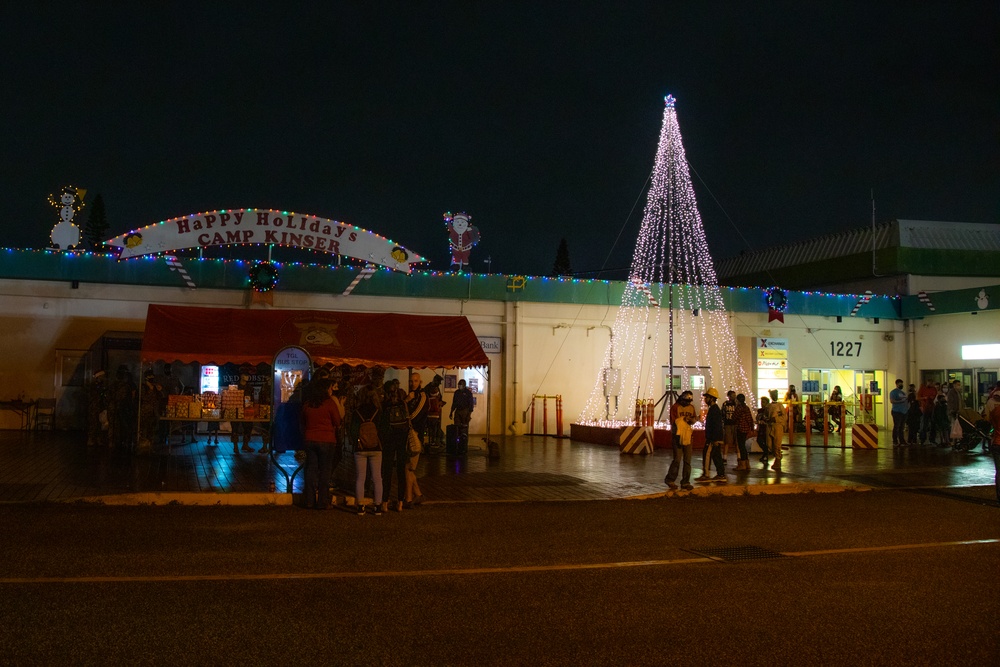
65 234
983 300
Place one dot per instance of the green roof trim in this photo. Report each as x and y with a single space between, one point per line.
87 267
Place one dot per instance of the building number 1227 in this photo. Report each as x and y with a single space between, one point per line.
839 348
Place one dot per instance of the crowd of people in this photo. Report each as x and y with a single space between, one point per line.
386 427
932 414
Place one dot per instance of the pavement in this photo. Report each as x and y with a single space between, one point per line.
58 466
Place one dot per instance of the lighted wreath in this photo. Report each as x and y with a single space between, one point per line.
777 299
263 277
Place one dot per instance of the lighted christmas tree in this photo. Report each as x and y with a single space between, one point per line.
672 314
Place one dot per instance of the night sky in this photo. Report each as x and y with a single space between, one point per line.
539 121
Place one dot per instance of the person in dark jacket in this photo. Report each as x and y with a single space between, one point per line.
745 426
714 427
394 429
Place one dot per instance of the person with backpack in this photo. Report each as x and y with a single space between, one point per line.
367 450
320 428
435 402
395 429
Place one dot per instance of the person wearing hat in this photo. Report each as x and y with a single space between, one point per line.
714 426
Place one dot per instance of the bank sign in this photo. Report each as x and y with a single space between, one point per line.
491 344
265 227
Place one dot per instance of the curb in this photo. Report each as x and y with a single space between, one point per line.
286 499
276 499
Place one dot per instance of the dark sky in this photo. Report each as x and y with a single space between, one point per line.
540 119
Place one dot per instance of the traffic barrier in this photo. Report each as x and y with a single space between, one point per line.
545 415
645 411
636 440
864 436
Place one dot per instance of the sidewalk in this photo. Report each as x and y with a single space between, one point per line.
58 466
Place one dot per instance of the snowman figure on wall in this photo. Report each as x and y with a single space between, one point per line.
983 300
462 235
65 234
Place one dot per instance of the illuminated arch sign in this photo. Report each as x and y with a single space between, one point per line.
266 227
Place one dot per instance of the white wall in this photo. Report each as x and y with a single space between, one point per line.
548 348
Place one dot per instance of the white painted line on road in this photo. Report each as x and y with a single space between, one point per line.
925 545
352 575
453 572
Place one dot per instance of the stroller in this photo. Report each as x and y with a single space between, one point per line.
975 431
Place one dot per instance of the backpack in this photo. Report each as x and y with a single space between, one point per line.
368 440
398 416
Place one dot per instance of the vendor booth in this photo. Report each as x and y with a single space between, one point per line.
250 338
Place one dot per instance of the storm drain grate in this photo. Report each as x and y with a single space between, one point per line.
737 554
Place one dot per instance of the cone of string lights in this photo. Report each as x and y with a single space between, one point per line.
672 319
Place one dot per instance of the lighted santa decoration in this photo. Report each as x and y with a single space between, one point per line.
462 235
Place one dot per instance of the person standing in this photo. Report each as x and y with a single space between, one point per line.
897 398
775 432
762 429
364 433
714 425
462 405
728 424
395 429
837 411
954 400
149 411
791 401
994 417
744 427
97 403
121 409
926 395
243 429
416 405
321 420
913 415
682 416
435 401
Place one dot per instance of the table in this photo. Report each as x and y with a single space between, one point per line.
176 424
24 409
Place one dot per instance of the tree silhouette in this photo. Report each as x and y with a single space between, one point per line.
96 230
562 267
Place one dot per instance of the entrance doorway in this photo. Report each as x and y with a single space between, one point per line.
685 377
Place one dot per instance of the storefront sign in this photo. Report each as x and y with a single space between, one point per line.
772 363
772 344
264 227
772 354
491 344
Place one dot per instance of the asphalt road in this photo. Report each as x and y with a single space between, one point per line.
882 578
